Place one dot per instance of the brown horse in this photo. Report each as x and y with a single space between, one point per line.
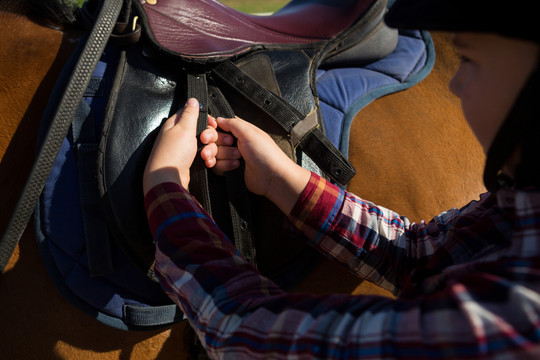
424 161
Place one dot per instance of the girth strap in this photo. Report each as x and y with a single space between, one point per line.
311 139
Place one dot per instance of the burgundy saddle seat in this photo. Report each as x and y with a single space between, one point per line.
208 28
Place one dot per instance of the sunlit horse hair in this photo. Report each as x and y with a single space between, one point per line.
59 12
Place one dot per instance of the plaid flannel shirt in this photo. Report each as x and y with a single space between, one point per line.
467 282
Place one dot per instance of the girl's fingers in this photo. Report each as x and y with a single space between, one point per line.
221 158
212 122
210 163
225 139
220 152
223 166
228 153
210 135
209 151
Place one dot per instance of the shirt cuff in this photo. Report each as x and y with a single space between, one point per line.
317 207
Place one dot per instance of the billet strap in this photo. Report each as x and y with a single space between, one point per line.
237 192
198 186
327 156
94 46
313 142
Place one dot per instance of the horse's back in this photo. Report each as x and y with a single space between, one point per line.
30 62
414 151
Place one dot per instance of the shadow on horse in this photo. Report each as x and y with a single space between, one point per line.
413 151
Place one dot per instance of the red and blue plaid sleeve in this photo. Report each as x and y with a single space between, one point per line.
373 242
488 310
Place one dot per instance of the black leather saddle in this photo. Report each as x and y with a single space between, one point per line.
259 68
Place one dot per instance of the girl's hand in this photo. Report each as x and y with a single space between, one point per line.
269 172
174 150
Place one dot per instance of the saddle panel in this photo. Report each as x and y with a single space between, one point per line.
208 29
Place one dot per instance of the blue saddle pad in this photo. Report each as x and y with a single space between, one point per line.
128 299
343 92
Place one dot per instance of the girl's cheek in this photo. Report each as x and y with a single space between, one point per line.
455 86
458 81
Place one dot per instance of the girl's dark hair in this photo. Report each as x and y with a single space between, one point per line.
61 12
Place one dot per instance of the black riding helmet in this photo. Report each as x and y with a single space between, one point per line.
513 19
